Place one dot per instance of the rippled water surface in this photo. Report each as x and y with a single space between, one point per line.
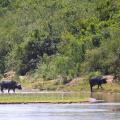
99 111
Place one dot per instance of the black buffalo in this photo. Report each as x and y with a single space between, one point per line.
97 81
10 85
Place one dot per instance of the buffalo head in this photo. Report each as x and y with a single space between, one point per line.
18 87
104 80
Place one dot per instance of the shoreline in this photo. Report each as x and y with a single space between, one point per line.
59 92
3 103
28 98
54 97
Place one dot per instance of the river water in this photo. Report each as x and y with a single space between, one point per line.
108 110
101 111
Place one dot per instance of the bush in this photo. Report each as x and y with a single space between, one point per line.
94 74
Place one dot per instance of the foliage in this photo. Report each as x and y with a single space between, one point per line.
60 38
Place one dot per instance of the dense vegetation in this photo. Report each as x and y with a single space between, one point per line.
67 38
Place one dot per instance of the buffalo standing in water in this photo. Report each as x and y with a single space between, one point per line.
10 85
97 81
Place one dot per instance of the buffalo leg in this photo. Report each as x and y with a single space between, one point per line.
91 88
101 86
14 90
2 90
8 90
98 86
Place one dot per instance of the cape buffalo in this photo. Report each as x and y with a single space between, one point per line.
9 84
97 81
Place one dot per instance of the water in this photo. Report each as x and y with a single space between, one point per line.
108 110
101 111
108 97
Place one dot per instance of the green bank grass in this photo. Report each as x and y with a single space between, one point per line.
43 98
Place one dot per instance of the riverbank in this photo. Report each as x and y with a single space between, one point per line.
58 97
76 91
76 85
22 98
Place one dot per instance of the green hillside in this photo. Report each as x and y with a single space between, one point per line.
67 38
